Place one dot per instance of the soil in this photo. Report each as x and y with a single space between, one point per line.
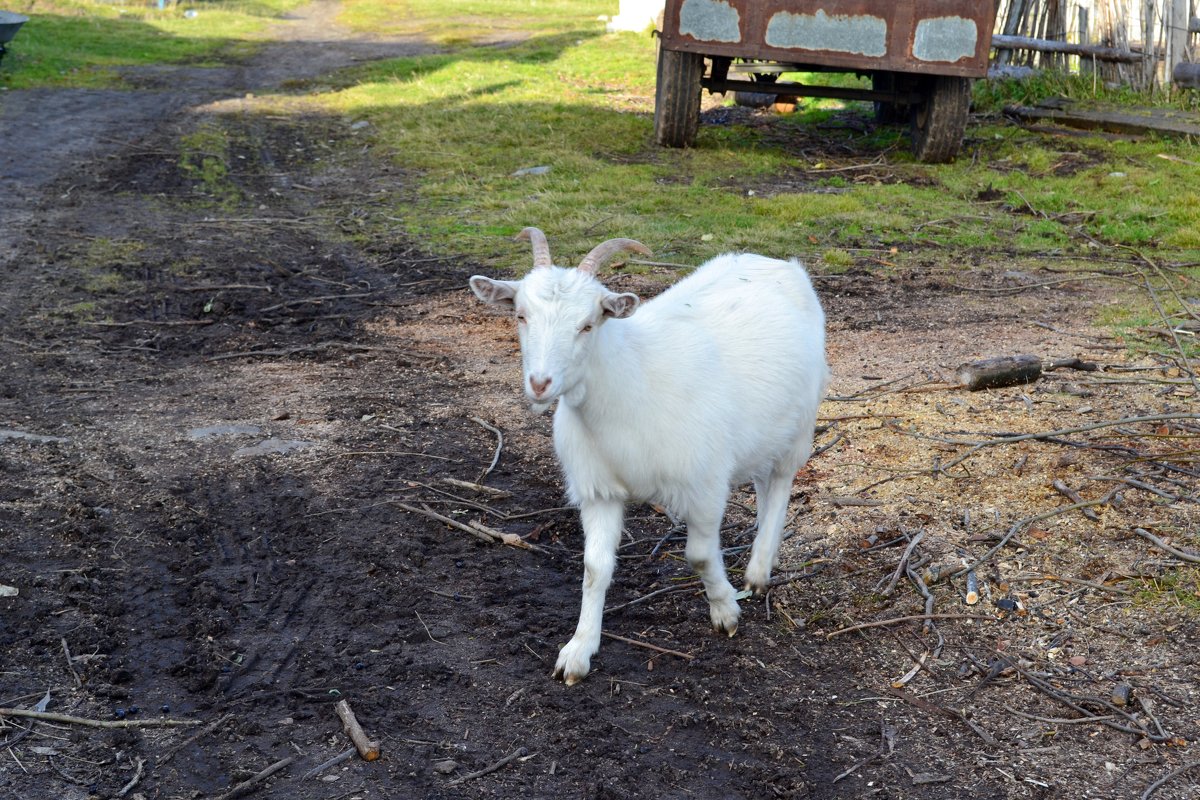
210 408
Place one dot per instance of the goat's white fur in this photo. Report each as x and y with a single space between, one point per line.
713 383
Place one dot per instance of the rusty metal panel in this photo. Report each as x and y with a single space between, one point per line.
938 37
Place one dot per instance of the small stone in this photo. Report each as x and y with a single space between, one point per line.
445 767
1077 661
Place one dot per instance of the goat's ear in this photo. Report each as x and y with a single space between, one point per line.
619 306
493 291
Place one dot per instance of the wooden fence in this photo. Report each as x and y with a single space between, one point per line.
1138 43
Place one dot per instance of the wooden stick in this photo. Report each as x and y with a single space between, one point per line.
137 776
429 512
648 646
1154 787
910 618
368 749
1154 540
70 666
250 783
1063 431
508 759
1074 497
99 723
333 762
209 728
499 447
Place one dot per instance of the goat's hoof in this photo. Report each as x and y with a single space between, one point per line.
725 620
758 589
574 660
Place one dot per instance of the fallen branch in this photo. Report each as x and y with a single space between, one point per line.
368 749
508 759
903 565
46 716
1074 497
137 776
1160 544
648 646
686 587
1158 784
251 783
1022 523
934 708
910 618
1024 437
333 762
209 728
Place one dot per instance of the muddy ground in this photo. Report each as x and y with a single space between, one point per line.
211 407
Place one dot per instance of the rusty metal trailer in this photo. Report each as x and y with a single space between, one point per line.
921 56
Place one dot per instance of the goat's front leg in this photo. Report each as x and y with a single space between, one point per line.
602 521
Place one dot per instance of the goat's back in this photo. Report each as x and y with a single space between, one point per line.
731 369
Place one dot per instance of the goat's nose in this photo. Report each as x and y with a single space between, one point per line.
539 385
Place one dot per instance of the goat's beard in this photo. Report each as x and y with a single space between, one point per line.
540 407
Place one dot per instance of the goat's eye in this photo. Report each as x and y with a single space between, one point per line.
586 328
521 319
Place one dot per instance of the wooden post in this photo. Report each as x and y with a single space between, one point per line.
1084 29
1178 18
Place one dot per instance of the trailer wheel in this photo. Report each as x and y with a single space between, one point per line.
677 98
939 122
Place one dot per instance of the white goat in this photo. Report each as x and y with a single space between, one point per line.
713 383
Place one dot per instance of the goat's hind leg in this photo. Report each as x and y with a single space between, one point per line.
704 554
602 521
771 496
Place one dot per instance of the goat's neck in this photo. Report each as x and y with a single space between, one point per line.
614 378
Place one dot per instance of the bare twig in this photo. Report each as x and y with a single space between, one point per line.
520 752
368 749
333 762
689 586
207 729
251 783
98 723
910 618
1073 496
137 776
1158 784
1022 523
1160 544
648 646
70 663
1062 432
903 565
429 512
499 447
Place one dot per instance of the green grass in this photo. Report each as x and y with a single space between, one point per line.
580 101
539 83
80 43
1178 589
465 22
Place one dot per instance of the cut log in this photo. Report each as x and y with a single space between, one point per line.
992 373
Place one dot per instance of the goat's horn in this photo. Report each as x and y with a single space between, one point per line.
541 248
606 250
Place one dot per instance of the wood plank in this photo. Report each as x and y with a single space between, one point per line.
1115 121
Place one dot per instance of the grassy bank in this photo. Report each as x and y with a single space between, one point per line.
576 104
80 43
